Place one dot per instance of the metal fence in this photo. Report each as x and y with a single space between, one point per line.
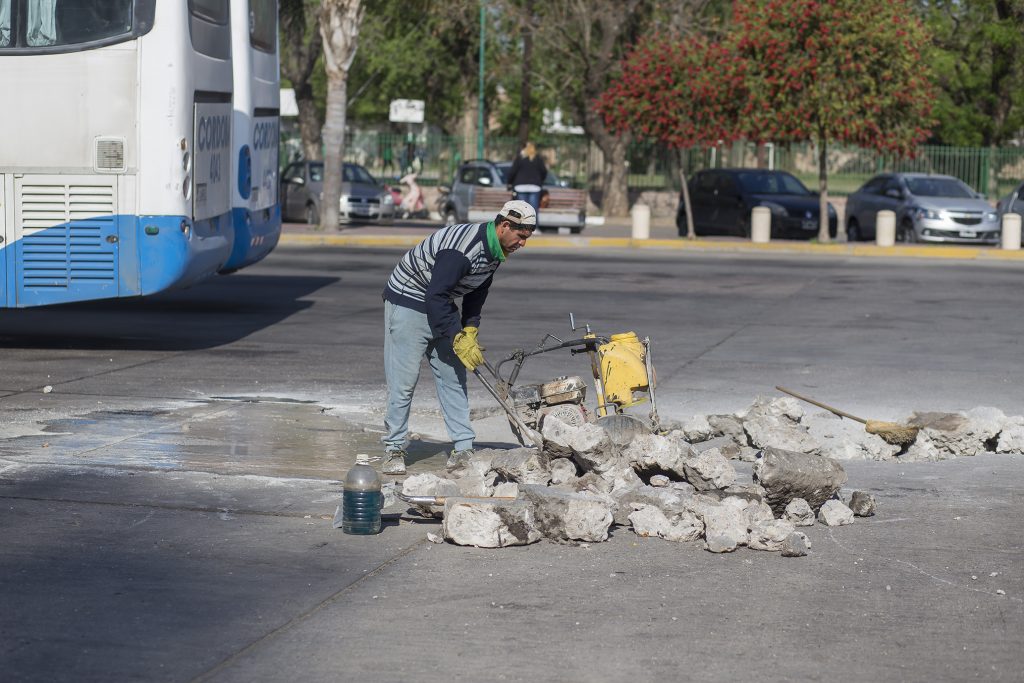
991 171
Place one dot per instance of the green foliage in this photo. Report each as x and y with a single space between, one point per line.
417 49
977 53
833 70
680 93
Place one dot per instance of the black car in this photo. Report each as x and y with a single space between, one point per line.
723 198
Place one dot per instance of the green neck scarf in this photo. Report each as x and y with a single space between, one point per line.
494 244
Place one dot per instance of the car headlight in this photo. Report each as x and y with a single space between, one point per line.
776 209
386 198
929 214
991 217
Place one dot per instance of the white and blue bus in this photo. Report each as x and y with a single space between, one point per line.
119 166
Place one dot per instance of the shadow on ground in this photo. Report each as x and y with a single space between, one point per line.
214 313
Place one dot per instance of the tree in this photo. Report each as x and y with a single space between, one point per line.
585 40
300 50
978 56
339 29
681 93
849 71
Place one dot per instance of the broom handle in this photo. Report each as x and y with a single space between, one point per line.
829 408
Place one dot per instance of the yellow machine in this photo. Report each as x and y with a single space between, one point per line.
623 374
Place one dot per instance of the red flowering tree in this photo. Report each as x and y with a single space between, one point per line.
679 93
828 71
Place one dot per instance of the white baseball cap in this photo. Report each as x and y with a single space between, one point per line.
519 212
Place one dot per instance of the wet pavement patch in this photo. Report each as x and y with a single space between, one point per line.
263 436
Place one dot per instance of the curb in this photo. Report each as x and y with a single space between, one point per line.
934 252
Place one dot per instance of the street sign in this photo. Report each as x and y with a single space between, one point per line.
406 111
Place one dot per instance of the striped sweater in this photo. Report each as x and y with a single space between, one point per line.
457 261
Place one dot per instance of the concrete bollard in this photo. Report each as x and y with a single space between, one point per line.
1011 231
885 228
761 225
641 221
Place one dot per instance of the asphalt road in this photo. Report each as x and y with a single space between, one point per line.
165 507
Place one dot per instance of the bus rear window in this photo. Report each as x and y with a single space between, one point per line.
67 22
43 24
262 24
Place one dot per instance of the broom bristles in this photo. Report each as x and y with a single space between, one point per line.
892 432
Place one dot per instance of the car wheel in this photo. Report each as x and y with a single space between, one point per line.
312 215
577 229
450 218
907 234
853 231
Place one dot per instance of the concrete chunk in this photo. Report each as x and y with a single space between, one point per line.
795 545
960 434
523 466
1011 439
563 471
648 520
489 524
670 501
770 535
862 504
834 513
697 428
651 454
799 513
588 445
564 516
786 475
709 470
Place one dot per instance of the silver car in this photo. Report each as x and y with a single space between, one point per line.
928 208
1012 203
362 197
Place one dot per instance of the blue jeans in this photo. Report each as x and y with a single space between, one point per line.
407 339
531 198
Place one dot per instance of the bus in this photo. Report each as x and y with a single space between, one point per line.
255 210
119 170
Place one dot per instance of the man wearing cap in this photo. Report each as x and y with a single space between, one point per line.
421 319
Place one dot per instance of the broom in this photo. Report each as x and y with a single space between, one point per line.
891 432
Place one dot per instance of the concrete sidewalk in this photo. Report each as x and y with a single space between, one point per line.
616 234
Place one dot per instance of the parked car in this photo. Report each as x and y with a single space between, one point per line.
723 198
928 208
478 190
1012 203
363 198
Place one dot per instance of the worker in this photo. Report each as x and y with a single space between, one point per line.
421 319
527 174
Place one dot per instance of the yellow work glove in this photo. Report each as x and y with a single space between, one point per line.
467 348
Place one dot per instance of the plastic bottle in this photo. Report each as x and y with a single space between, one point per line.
362 500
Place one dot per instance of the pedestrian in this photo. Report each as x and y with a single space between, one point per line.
421 319
526 177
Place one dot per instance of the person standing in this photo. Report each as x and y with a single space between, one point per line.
526 177
421 319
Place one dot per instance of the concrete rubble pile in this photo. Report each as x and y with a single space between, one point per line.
679 486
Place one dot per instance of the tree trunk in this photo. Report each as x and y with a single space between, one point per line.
614 182
301 46
339 26
309 123
334 150
823 235
527 72
691 232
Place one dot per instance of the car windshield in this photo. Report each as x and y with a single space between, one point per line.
939 187
354 173
771 183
